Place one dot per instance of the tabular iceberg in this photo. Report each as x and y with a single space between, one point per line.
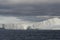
50 24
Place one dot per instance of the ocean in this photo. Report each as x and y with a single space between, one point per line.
29 34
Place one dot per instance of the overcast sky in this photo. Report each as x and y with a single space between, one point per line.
29 9
26 1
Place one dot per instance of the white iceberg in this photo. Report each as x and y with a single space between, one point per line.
50 24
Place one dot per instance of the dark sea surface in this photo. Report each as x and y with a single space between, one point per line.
29 34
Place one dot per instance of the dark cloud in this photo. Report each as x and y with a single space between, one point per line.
30 10
34 18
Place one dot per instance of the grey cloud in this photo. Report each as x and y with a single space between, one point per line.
34 18
30 10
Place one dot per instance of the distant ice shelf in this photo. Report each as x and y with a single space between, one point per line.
50 24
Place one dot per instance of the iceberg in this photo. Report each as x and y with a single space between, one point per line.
49 24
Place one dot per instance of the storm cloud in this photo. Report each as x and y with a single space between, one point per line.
29 10
30 7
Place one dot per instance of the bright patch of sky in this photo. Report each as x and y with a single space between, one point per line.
26 1
23 19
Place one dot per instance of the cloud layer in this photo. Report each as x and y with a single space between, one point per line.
26 1
31 8
23 19
28 10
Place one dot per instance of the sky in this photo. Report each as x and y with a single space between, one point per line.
29 7
28 10
26 1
